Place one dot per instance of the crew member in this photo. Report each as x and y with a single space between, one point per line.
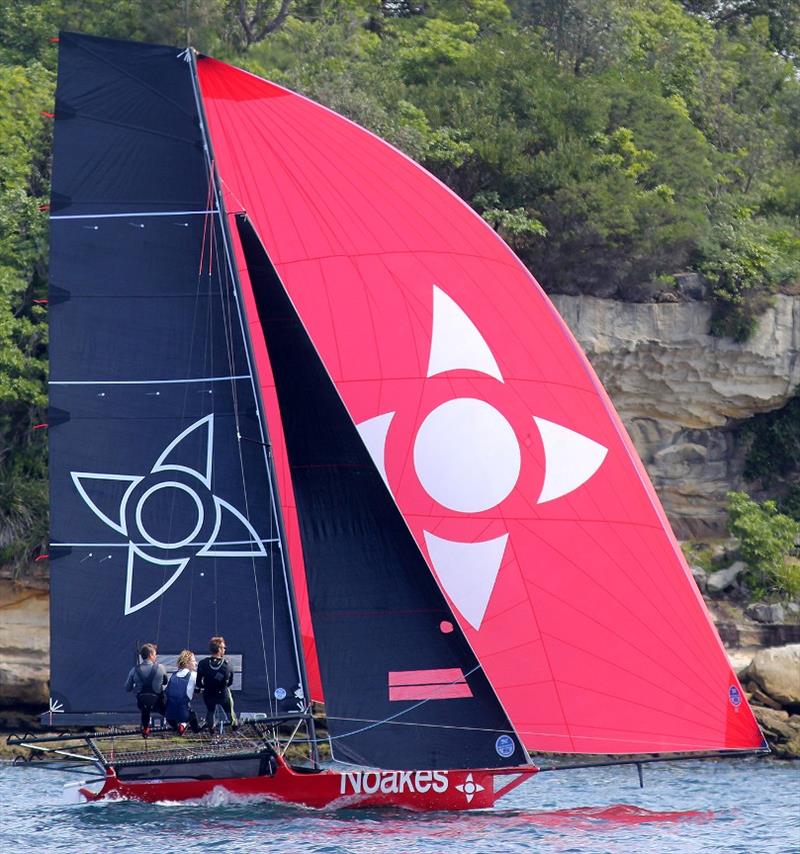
214 678
148 678
179 693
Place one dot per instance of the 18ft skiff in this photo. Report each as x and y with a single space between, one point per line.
302 395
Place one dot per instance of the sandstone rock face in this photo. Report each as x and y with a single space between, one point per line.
781 730
24 646
679 391
777 672
700 577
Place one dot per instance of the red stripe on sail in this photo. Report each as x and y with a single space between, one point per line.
430 692
426 677
278 447
443 684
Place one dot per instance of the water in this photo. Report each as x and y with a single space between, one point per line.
746 805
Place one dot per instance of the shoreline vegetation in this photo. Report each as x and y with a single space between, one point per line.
645 151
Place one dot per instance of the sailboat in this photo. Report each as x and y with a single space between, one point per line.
303 396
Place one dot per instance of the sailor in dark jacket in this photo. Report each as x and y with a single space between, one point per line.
148 679
214 678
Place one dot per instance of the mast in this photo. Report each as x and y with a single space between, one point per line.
219 206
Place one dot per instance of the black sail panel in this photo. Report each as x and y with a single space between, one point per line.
403 689
163 522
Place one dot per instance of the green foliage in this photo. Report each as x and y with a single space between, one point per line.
782 19
774 445
511 225
23 509
698 553
24 140
767 539
26 27
437 42
746 258
611 143
790 503
787 578
738 264
24 144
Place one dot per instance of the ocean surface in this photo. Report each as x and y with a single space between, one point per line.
744 805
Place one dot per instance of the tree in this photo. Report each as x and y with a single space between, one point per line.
783 17
258 18
24 142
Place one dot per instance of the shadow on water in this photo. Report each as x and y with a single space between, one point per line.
221 809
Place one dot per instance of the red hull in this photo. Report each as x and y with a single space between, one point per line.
414 790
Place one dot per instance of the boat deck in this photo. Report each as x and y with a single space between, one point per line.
128 748
166 746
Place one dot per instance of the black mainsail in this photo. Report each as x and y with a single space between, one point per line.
163 519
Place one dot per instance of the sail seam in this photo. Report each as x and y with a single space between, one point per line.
150 545
131 214
405 251
547 733
135 128
153 382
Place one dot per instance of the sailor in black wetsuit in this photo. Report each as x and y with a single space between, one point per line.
148 679
214 678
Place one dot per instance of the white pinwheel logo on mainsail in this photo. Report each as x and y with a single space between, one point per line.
170 478
451 472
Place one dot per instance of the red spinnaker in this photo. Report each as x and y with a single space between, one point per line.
495 437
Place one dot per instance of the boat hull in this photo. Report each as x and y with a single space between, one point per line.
333 789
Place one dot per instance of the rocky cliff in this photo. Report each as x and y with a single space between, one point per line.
24 651
681 392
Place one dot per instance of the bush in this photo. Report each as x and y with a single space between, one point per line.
767 539
790 503
745 259
23 512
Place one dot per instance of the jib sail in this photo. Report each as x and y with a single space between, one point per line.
403 689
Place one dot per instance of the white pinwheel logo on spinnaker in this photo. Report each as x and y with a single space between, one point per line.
456 477
171 481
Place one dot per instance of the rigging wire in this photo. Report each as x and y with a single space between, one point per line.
394 718
275 521
229 297
227 314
